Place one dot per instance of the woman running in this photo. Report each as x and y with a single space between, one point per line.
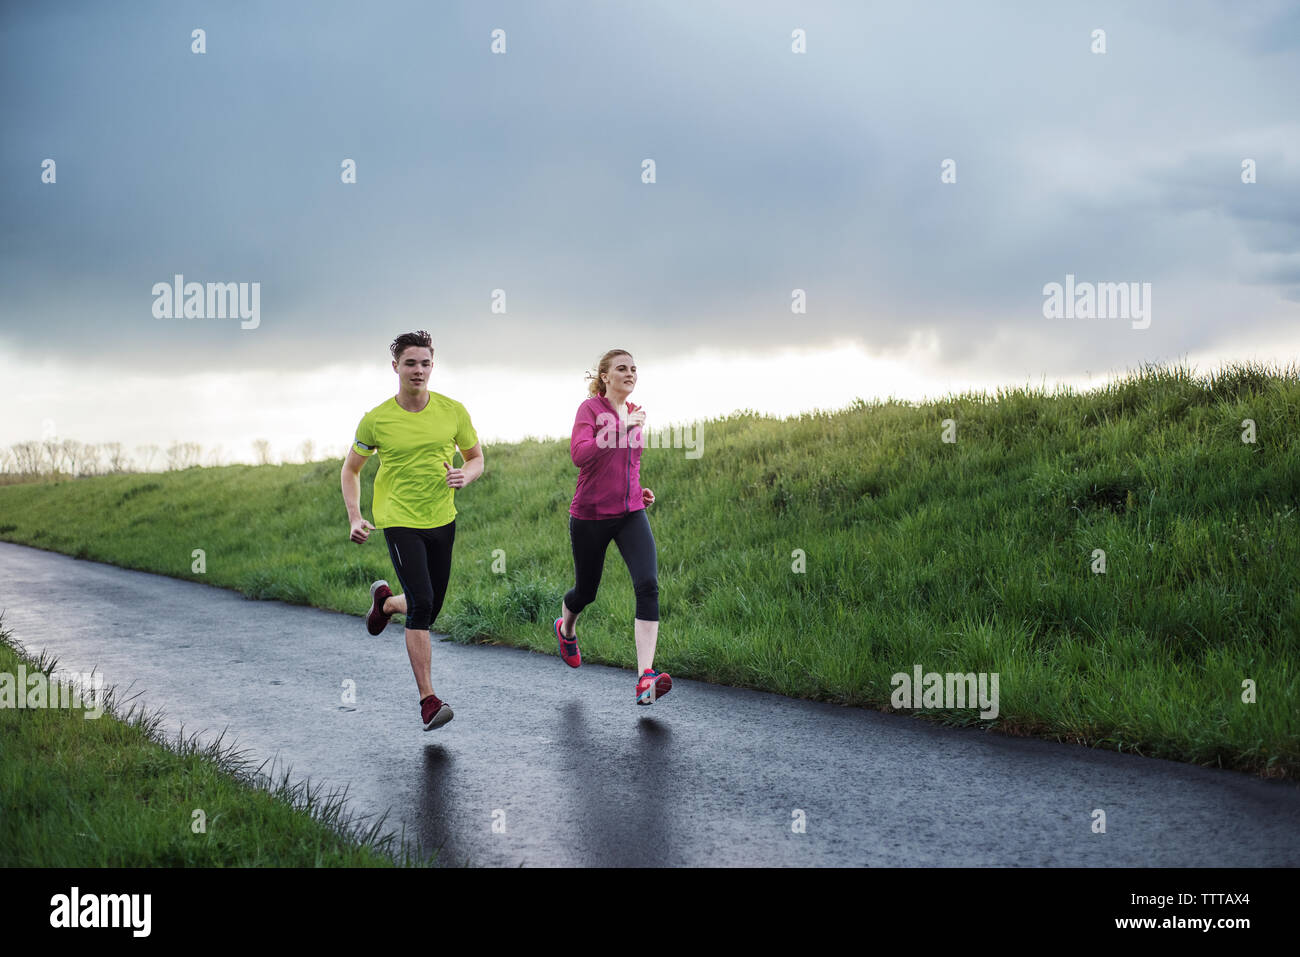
416 434
610 504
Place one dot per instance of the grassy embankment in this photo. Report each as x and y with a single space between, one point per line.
969 556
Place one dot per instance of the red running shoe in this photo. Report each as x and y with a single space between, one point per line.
651 685
434 713
569 653
377 621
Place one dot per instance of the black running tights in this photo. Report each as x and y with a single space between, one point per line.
422 559
631 533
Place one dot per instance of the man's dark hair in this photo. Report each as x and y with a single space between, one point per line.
408 339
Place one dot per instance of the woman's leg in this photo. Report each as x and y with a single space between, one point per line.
589 539
647 636
636 544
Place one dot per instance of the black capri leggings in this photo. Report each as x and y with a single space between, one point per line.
422 559
631 533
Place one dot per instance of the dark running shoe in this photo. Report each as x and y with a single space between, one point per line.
434 713
652 685
569 653
377 621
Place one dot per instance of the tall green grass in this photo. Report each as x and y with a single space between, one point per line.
968 556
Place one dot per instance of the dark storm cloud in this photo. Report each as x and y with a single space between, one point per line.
522 171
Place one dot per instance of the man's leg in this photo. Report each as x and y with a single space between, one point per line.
419 646
420 650
410 560
437 545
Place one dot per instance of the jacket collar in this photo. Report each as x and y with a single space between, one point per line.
631 406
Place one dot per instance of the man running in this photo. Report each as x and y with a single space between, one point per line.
416 434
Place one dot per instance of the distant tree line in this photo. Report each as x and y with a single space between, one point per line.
50 458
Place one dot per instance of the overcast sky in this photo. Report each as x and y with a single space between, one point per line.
522 171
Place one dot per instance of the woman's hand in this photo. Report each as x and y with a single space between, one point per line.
636 418
647 497
361 530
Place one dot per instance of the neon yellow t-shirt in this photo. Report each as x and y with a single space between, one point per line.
411 487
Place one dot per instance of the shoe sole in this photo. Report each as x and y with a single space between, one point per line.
560 647
374 588
654 693
442 716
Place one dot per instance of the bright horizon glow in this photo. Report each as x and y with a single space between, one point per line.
226 412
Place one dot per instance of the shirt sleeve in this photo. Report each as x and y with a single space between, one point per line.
364 443
593 435
466 437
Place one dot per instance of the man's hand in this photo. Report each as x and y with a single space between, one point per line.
455 477
647 497
361 530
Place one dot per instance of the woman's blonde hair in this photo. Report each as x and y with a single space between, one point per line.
595 385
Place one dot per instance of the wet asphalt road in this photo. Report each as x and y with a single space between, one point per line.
579 775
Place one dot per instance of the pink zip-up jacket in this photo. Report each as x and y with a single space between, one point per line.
608 460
